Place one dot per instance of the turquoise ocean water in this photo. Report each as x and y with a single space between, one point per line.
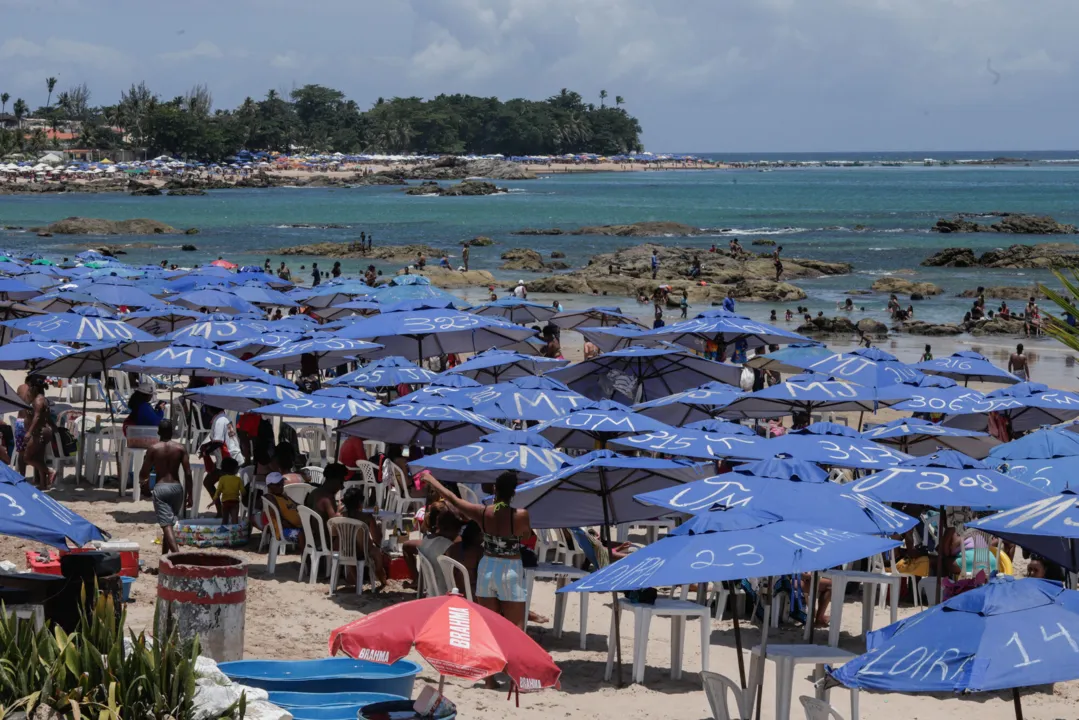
811 212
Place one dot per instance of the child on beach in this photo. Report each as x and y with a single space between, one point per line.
230 487
684 304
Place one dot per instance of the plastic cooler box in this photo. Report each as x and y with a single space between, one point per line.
129 554
44 563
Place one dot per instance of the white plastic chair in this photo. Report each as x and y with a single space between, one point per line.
273 535
366 473
716 689
980 559
468 494
316 546
428 583
102 454
912 579
298 492
818 709
199 433
314 442
314 474
449 567
348 531
679 611
372 448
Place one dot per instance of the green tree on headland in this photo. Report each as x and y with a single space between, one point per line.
315 118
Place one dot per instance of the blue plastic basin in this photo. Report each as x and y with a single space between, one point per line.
328 675
328 706
127 583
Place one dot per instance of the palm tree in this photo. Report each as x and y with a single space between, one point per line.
1066 300
50 83
4 97
618 101
602 97
19 108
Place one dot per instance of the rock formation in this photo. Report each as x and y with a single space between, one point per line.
1041 255
98 226
1013 223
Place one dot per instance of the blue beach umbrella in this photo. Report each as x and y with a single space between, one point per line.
917 436
161 319
346 393
805 394
117 295
390 294
63 300
96 311
947 479
15 289
97 358
967 366
716 440
442 426
516 310
33 515
594 317
294 323
526 453
792 360
386 372
792 489
258 294
257 276
321 406
527 398
419 334
244 395
595 423
220 331
730 544
700 403
352 310
214 300
1042 444
617 337
196 358
871 367
836 446
724 329
598 489
1048 527
452 380
71 327
639 373
497 365
259 344
26 352
328 352
1030 405
336 293
933 394
1007 634
40 281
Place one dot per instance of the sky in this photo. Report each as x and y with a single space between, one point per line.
701 75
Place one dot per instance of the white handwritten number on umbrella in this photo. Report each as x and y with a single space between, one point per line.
1047 638
748 551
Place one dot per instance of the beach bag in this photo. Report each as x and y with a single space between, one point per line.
529 559
745 380
65 444
644 596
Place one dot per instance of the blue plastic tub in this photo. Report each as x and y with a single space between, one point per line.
328 706
328 675
127 583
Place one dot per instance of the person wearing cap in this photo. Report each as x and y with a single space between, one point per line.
292 529
520 292
143 412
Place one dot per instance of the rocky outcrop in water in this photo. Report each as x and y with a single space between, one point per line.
828 326
920 327
479 241
453 168
466 188
528 261
352 251
650 228
902 286
149 191
1013 223
1006 293
186 192
98 226
1041 255
448 278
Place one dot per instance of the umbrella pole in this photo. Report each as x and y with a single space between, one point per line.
119 467
605 539
737 634
861 414
812 606
80 471
940 554
441 683
1018 704
765 626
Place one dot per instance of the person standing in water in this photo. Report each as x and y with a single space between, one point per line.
928 354
1019 364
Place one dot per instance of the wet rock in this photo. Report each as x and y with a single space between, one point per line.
352 250
1043 255
479 241
822 325
522 259
920 327
149 191
902 286
557 254
1012 223
191 231
996 325
952 257
98 226
763 241
449 278
1007 292
858 291
917 296
186 192
466 188
869 326
188 248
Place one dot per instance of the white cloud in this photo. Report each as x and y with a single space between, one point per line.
204 50
59 52
287 60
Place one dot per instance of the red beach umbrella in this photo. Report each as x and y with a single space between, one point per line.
224 264
457 637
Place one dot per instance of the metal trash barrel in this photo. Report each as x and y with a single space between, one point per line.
204 594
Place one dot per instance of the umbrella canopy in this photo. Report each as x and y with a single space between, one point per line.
442 426
457 637
328 352
220 331
1030 405
390 294
526 453
31 514
721 440
617 337
117 295
244 395
349 311
497 365
947 478
723 329
705 402
326 407
965 367
197 358
1048 527
789 488
26 352
385 372
805 394
731 544
792 360
1042 444
1006 634
836 446
259 344
598 489
934 394
14 289
214 300
334 293
640 373
527 398
258 294
71 327
917 436
224 264
97 358
596 423
161 319
594 317
516 310
419 334
871 367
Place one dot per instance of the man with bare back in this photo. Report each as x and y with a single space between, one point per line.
39 431
167 458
